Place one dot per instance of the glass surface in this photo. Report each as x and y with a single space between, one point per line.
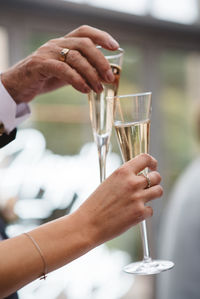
101 109
63 115
132 115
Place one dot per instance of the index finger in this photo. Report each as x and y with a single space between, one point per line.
142 161
98 36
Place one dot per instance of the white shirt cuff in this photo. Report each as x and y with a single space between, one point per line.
11 114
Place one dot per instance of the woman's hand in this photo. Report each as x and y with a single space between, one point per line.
85 66
120 201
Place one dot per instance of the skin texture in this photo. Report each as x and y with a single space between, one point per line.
42 71
117 204
120 202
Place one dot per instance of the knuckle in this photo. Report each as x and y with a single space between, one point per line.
46 50
130 185
136 183
79 84
122 171
105 66
149 160
141 178
145 157
159 191
77 80
34 62
149 212
86 42
139 209
83 28
54 67
44 47
58 67
52 41
158 177
93 75
74 56
155 163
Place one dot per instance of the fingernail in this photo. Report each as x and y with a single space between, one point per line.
99 87
109 76
86 89
113 44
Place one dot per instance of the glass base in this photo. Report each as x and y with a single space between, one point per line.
148 267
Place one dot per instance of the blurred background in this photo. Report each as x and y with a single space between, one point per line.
54 162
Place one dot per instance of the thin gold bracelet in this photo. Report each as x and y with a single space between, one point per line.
44 274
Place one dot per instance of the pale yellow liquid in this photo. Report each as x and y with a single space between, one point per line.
133 138
101 110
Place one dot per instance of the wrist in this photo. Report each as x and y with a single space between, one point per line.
18 81
85 229
8 81
91 228
71 235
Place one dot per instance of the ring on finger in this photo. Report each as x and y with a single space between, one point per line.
147 179
63 54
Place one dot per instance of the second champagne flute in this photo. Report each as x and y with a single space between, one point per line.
101 109
132 124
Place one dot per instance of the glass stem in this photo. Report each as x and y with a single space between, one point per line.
102 152
102 146
145 243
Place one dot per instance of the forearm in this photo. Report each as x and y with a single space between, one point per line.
60 241
117 204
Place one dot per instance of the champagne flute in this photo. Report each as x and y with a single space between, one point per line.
132 125
101 109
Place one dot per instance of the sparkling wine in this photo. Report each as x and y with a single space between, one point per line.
101 109
133 138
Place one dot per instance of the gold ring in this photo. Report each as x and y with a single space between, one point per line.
63 54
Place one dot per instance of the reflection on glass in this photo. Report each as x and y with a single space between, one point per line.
132 125
101 109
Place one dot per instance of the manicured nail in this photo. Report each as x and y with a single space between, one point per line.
109 76
113 44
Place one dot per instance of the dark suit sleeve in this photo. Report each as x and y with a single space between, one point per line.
5 139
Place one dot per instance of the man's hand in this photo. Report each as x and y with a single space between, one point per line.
42 71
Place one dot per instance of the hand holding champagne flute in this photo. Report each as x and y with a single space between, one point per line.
101 109
132 125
